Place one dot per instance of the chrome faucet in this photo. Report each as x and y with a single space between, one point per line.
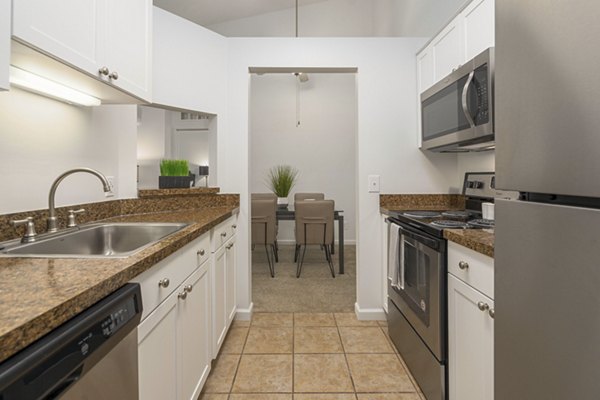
51 224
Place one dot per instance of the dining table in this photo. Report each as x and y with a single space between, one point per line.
288 214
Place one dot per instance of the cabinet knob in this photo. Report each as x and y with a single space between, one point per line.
229 246
463 265
164 282
234 226
483 306
182 295
201 252
188 288
223 234
492 312
114 75
104 71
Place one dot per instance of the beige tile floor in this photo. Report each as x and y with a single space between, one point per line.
309 356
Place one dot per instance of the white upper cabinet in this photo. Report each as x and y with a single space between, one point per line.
448 53
478 20
4 43
106 39
467 35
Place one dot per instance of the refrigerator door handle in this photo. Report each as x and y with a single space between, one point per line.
465 105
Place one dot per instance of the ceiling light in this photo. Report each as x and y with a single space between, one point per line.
37 84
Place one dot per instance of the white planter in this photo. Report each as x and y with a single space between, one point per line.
282 202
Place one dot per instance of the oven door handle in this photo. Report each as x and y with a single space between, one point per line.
434 244
465 104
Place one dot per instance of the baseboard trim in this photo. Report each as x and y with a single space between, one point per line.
369 314
244 314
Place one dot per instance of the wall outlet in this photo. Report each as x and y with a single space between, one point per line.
112 182
373 183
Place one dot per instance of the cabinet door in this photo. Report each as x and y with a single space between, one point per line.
66 29
194 333
157 352
448 50
219 314
425 73
127 44
478 23
230 266
471 343
4 43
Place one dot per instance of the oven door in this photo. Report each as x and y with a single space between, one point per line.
418 286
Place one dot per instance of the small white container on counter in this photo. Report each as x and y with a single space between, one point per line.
487 210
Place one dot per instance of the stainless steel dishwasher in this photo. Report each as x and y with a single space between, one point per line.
91 356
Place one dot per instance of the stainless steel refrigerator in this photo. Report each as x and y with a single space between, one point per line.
547 252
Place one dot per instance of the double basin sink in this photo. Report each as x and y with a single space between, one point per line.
105 240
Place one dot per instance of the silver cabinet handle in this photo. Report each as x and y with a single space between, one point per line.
164 282
104 71
114 75
492 312
182 295
201 252
463 265
483 306
223 234
188 288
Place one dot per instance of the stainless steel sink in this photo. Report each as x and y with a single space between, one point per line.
114 240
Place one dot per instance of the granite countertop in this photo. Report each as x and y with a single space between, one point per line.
480 240
389 203
39 294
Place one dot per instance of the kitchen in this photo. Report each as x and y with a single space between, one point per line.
387 131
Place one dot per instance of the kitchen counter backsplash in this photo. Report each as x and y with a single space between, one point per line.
407 202
158 202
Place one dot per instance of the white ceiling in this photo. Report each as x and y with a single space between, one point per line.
209 12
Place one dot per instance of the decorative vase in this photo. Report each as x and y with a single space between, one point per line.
282 202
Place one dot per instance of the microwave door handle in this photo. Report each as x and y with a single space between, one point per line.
465 104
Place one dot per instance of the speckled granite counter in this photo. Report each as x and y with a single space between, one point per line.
39 294
480 240
425 202
193 191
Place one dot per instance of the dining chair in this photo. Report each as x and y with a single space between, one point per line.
264 228
314 226
263 196
308 196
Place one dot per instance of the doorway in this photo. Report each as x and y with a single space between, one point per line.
308 122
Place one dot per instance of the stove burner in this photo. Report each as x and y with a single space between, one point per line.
482 223
456 214
445 223
422 214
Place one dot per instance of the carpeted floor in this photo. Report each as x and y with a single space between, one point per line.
314 291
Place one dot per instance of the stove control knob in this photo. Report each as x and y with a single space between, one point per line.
478 185
470 184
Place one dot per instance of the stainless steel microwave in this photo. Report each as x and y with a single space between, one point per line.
457 113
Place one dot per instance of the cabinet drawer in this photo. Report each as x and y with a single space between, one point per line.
162 279
478 270
223 232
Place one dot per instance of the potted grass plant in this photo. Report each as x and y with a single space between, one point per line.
281 179
174 174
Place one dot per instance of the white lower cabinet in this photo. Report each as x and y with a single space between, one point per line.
223 279
174 339
470 333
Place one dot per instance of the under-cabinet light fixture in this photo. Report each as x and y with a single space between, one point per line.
40 85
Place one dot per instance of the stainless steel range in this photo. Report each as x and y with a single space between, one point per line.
417 311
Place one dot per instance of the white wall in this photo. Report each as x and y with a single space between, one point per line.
41 138
322 148
386 138
348 18
475 162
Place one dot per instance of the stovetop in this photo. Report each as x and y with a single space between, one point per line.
434 222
